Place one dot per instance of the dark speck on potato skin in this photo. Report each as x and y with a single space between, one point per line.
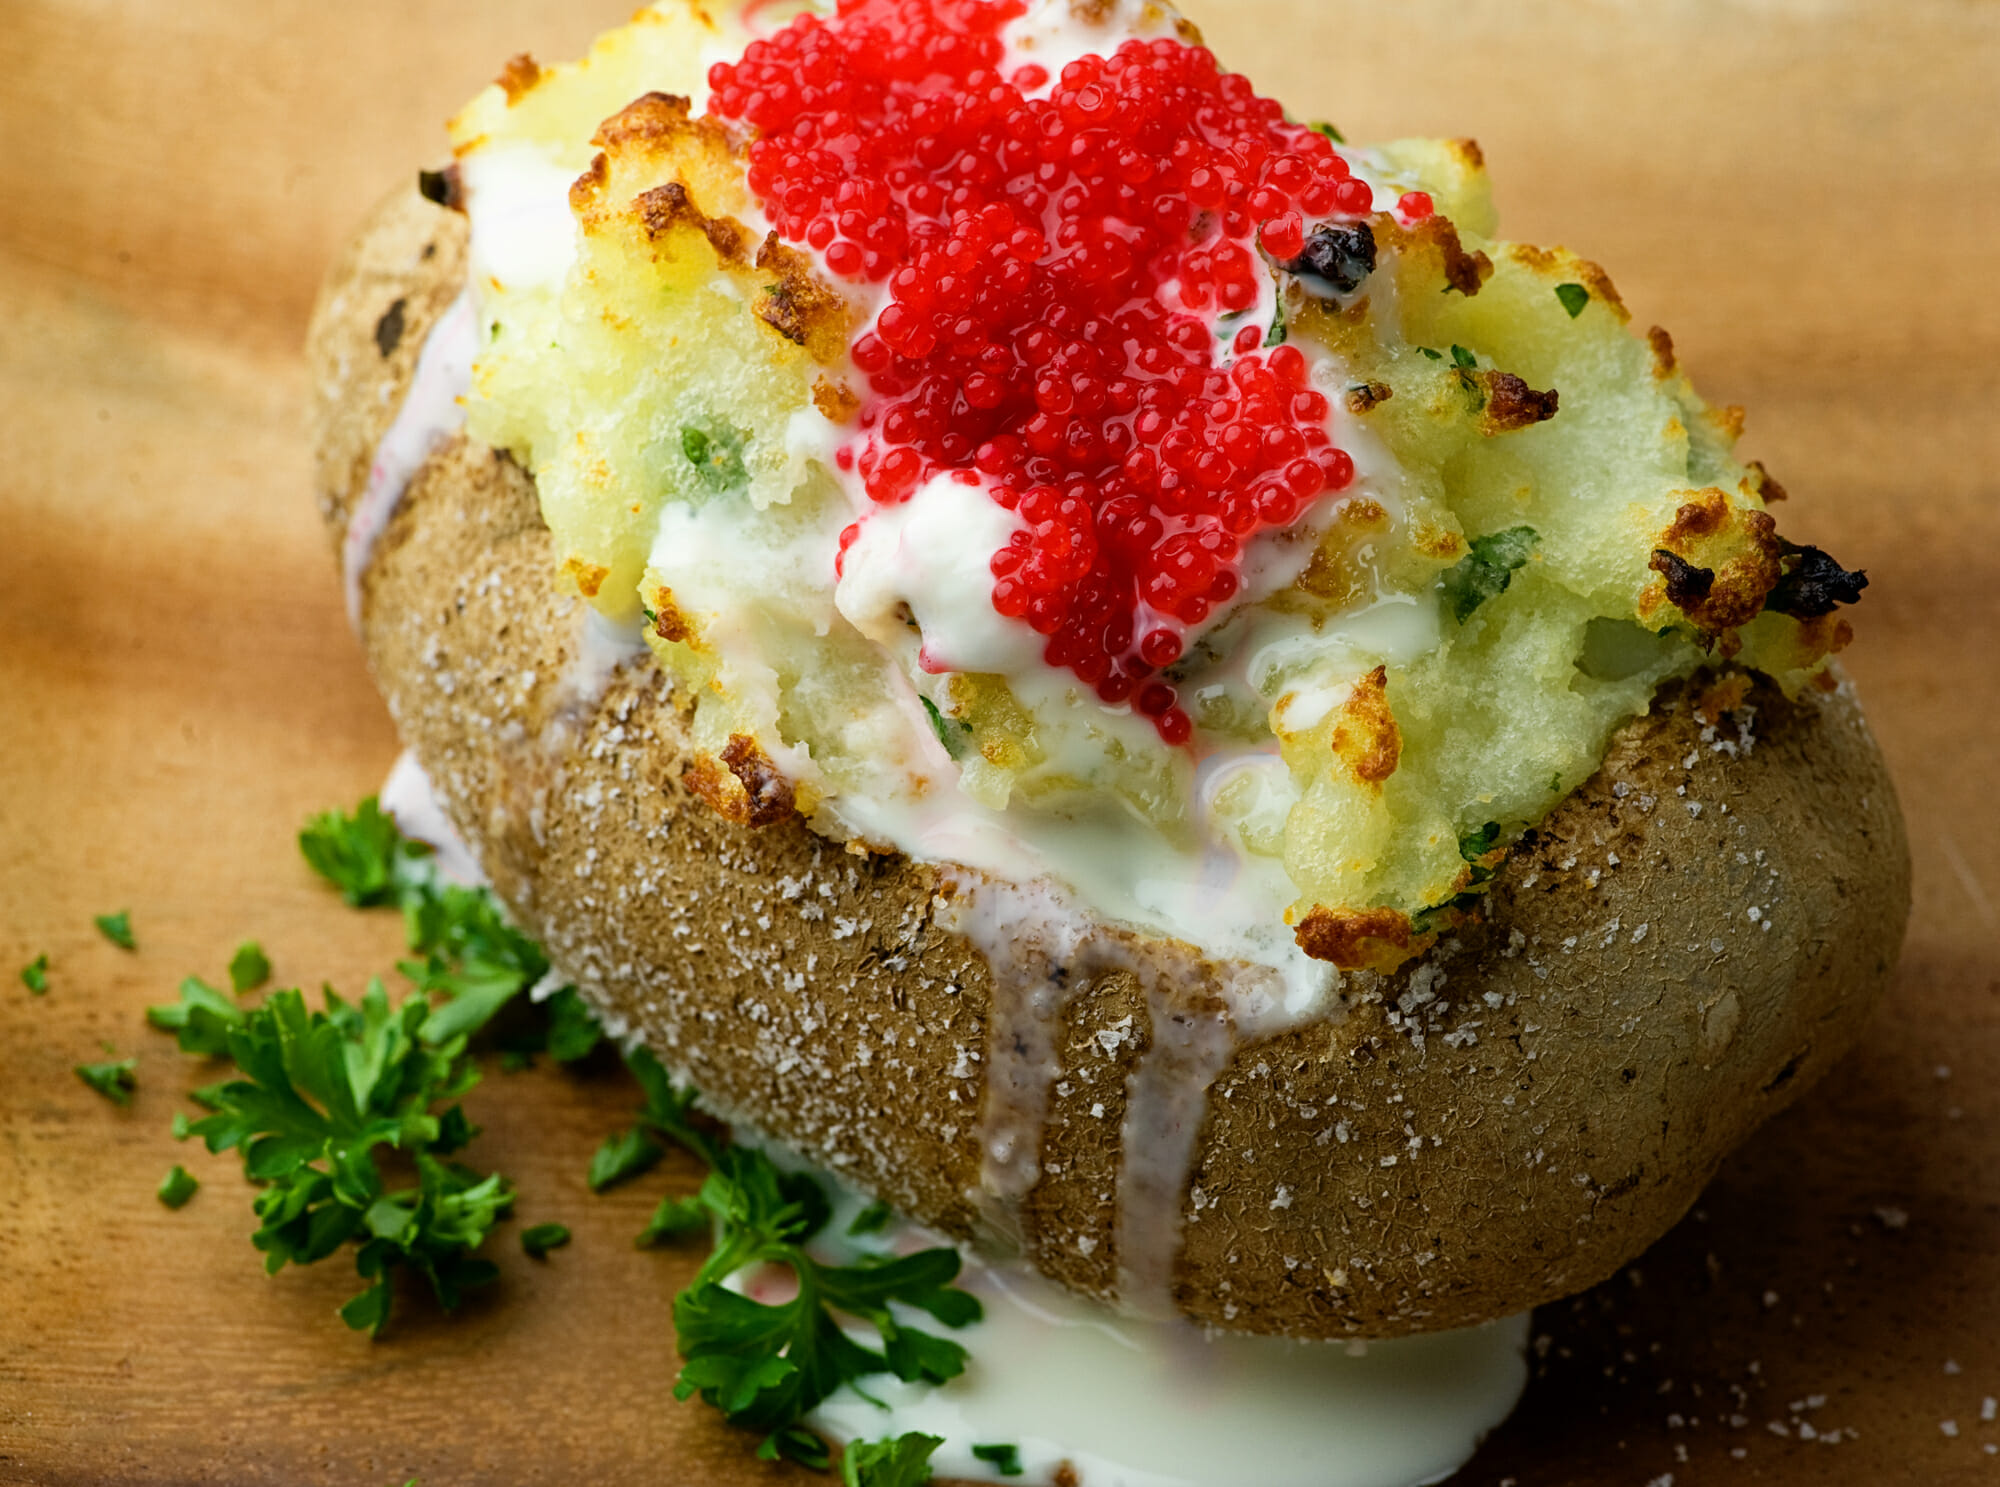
389 329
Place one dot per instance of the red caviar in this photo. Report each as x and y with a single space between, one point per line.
1067 279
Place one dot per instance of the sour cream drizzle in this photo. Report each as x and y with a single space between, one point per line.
432 412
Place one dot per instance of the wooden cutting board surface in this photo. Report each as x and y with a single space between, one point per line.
1807 192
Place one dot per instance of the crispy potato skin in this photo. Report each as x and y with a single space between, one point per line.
1608 1032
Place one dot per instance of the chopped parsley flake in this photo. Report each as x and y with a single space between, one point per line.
1486 571
1329 131
903 1462
1433 355
1477 844
1006 1460
178 1186
35 975
542 1238
117 928
1464 360
248 967
115 1081
1279 330
1574 298
717 457
951 732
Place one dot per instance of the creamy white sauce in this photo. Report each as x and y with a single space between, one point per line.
929 560
517 198
1128 1403
412 802
432 412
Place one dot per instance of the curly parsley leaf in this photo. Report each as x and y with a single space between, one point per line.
35 975
1006 1460
363 855
1575 298
623 1157
178 1186
675 1218
902 1462
117 928
471 955
249 967
766 1366
201 1021
115 1080
466 950
1486 571
319 1097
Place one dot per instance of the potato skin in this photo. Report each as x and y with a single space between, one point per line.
1502 1124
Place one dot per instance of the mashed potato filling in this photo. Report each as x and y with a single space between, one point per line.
1544 525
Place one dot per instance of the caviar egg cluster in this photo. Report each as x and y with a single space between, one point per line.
1067 272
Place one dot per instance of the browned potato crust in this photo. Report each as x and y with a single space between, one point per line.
1680 950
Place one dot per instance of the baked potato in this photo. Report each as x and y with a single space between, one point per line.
1535 1042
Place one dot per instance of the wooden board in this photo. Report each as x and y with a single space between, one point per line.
1805 191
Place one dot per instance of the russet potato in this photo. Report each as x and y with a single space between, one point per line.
1674 955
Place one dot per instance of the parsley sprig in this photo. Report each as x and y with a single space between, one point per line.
323 1093
347 1117
767 1365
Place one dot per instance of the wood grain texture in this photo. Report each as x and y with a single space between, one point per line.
1805 191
